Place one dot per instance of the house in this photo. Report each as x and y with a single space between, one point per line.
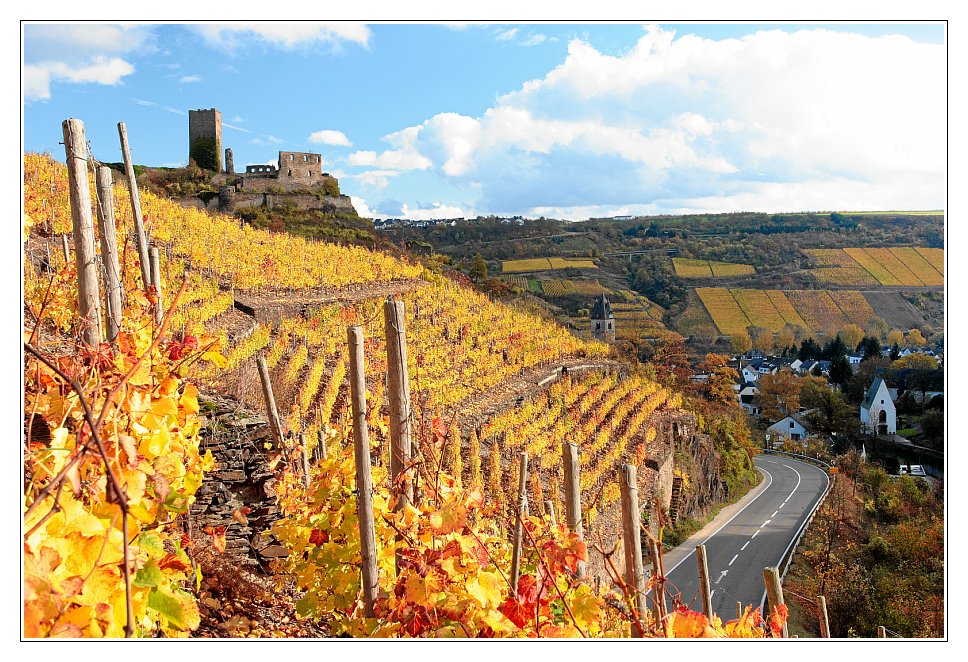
855 358
748 396
794 427
877 412
749 374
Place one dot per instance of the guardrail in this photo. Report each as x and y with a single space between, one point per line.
806 458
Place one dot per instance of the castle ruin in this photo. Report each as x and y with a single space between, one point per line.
205 138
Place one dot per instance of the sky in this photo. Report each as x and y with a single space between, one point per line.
563 120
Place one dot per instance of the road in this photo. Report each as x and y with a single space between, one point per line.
755 537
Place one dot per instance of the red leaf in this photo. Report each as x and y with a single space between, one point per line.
173 562
318 537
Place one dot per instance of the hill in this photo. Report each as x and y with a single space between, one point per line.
487 380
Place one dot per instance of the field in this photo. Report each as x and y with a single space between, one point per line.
733 310
688 268
904 266
562 287
545 264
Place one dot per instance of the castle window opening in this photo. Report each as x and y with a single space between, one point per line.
305 158
290 173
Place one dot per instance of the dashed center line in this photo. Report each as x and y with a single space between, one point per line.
765 523
754 534
734 558
744 546
774 513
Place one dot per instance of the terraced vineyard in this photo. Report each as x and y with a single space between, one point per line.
905 266
733 310
566 287
689 268
608 416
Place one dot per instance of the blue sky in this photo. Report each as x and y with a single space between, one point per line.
562 120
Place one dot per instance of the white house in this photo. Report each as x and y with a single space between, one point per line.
794 427
877 412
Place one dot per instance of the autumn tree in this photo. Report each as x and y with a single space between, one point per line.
915 338
832 413
741 342
785 338
895 337
851 334
671 363
478 270
864 377
721 378
762 340
779 395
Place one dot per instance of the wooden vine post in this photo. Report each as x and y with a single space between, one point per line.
658 582
88 297
398 396
632 542
66 249
364 477
739 610
320 451
774 593
109 252
881 632
275 426
305 458
707 602
156 283
824 620
569 453
521 508
141 243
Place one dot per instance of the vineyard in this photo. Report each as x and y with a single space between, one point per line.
733 310
909 267
546 264
565 287
688 268
113 427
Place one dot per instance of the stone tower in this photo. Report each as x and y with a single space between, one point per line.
603 320
205 138
229 162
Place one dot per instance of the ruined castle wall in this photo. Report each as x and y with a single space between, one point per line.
305 168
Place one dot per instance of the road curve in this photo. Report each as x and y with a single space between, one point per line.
755 537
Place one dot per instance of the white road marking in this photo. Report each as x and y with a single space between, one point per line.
744 546
734 558
721 575
765 523
774 513
754 534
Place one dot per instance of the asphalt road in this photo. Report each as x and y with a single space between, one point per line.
755 537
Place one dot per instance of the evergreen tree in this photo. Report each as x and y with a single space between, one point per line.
840 372
809 349
869 347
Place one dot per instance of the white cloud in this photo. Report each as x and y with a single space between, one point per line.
376 179
535 39
436 210
330 137
283 34
363 209
507 35
755 122
193 78
238 119
404 157
105 71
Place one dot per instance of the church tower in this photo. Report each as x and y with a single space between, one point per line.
603 320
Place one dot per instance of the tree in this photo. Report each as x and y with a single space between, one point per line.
916 361
840 372
478 270
915 338
895 337
851 334
719 385
779 395
785 338
932 427
832 413
834 348
741 342
762 339
869 347
809 349
864 377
